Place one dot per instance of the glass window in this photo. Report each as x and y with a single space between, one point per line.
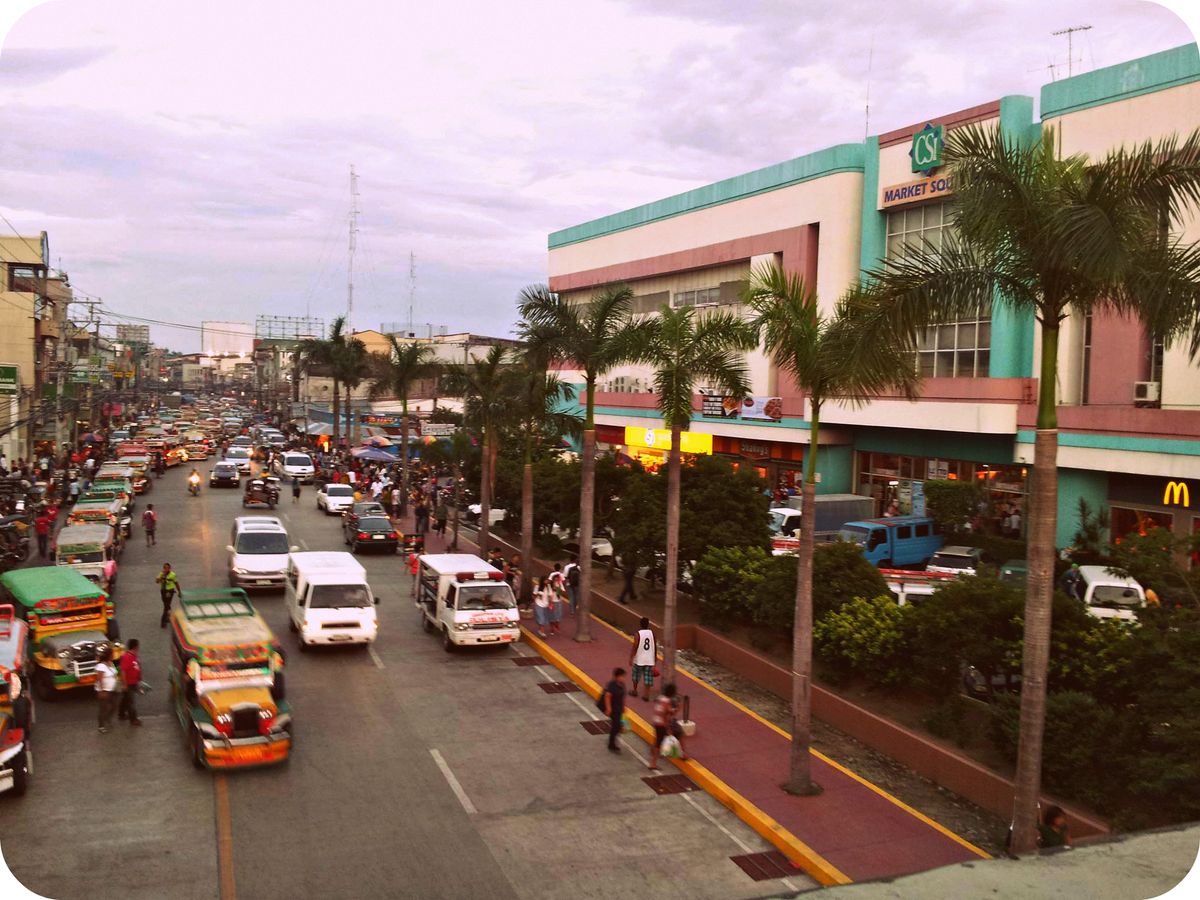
904 532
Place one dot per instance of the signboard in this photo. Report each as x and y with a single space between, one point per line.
10 381
918 498
927 147
386 421
660 439
754 449
438 429
1152 491
718 407
931 188
762 409
80 376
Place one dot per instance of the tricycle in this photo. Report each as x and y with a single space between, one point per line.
261 491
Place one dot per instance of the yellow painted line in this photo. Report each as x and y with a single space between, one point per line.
936 826
228 887
808 859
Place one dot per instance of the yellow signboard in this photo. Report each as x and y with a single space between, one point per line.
660 439
1176 493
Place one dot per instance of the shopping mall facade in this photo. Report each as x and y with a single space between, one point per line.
1129 409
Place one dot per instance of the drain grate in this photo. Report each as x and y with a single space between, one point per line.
595 726
669 784
558 687
765 866
528 660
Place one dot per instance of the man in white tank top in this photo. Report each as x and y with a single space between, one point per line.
642 659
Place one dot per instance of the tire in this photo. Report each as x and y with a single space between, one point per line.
23 715
279 688
20 769
426 625
113 630
43 686
197 745
447 644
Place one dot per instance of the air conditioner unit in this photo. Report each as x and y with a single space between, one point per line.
1146 391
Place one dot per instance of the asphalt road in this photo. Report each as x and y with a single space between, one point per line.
414 772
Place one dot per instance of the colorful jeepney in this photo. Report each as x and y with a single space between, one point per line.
227 684
92 551
99 511
71 623
16 709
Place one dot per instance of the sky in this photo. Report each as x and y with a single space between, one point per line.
191 161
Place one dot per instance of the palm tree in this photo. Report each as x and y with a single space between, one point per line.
396 373
537 396
685 348
453 452
595 336
812 347
485 386
316 356
351 365
1052 236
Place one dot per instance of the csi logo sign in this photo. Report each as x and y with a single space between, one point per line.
926 150
1176 493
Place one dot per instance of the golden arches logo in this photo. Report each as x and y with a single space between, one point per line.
1176 494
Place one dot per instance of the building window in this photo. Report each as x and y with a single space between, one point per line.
914 226
702 297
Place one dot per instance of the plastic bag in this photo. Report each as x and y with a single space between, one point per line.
671 747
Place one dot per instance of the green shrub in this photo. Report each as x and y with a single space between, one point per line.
774 602
949 720
841 573
865 637
952 504
725 579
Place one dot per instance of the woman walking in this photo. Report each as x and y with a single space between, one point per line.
541 605
106 688
557 602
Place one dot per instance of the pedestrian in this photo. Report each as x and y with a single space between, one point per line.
541 605
612 702
414 565
664 721
440 515
422 517
73 491
1014 522
168 583
1052 830
396 497
41 527
1072 582
295 489
106 688
150 524
557 602
131 678
571 574
628 570
642 658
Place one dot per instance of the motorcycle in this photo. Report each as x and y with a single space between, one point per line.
194 485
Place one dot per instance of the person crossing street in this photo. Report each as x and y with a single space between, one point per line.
168 584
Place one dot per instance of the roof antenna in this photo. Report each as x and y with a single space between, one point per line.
867 110
1070 33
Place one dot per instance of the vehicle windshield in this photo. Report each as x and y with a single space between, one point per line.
262 542
339 596
224 470
237 453
298 460
74 555
776 523
854 534
374 523
952 561
490 596
339 490
1115 596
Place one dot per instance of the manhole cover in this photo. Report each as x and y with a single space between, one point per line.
596 726
558 687
669 784
765 866
527 660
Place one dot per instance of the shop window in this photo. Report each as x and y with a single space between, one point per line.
917 227
1138 521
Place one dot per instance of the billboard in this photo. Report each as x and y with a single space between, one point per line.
226 338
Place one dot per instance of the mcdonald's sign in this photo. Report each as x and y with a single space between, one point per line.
1176 493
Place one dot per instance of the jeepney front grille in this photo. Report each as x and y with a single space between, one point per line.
482 626
82 668
245 722
339 624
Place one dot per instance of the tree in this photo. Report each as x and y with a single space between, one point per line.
1154 558
350 365
315 356
396 373
594 336
827 362
686 350
454 452
1050 236
953 504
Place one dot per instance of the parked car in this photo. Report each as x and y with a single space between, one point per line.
475 510
352 513
332 499
375 533
955 560
1015 571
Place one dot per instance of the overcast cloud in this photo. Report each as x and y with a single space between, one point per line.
191 161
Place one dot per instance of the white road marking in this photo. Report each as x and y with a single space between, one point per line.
453 782
374 657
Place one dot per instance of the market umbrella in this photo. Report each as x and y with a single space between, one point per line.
372 454
377 440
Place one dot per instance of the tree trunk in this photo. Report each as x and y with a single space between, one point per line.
485 493
337 415
672 576
457 500
1042 527
295 378
587 509
526 526
404 457
800 765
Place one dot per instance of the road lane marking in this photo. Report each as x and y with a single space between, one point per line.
374 657
453 782
228 885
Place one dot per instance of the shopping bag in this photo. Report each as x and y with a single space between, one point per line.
670 747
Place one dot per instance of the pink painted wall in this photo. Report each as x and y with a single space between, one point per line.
1120 356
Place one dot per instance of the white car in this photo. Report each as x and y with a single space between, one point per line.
258 552
475 510
295 465
955 561
333 499
238 456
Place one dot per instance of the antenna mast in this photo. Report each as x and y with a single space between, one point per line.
412 288
1070 33
353 244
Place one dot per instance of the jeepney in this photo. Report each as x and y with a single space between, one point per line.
227 684
141 472
16 709
71 622
92 551
101 511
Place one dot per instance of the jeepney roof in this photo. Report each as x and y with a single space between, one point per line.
453 563
30 586
221 617
14 634
73 535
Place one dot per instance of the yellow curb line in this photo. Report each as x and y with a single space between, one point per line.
815 865
936 826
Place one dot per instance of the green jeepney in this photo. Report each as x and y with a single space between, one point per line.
71 622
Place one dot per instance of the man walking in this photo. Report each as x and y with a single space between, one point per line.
440 515
613 703
642 657
295 489
106 688
571 574
41 527
168 584
149 524
131 674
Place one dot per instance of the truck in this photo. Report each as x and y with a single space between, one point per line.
894 541
466 601
832 511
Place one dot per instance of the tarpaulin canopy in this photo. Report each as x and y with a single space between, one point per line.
319 428
372 454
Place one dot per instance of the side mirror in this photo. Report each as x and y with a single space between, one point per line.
229 548
294 548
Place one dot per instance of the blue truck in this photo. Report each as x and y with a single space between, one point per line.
895 540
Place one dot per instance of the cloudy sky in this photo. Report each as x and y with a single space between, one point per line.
191 161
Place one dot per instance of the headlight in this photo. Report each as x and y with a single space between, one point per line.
64 653
100 649
240 571
462 626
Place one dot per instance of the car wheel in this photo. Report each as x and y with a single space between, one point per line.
20 770
23 716
197 743
447 644
303 645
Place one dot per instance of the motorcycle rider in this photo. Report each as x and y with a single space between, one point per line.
194 482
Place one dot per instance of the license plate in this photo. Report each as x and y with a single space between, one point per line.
242 753
377 537
263 581
339 637
490 637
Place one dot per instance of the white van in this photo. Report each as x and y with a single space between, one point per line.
466 600
329 600
258 553
1109 596
295 465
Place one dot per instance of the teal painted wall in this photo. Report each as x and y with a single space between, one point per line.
1072 485
836 465
874 221
1156 72
983 448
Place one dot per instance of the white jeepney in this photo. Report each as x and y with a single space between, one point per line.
466 600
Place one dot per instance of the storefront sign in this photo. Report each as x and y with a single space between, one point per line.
1176 493
918 498
717 407
10 384
926 149
438 429
754 450
1149 491
762 409
660 439
381 421
931 188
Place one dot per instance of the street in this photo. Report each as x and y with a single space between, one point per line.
415 772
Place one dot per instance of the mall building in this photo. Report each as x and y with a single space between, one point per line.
1129 407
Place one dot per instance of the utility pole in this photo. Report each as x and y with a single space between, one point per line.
1070 33
412 290
353 245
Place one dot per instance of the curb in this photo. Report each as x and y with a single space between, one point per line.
799 853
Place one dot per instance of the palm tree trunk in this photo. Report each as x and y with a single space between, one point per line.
800 764
526 523
457 500
337 415
672 575
404 456
485 492
587 512
1043 524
